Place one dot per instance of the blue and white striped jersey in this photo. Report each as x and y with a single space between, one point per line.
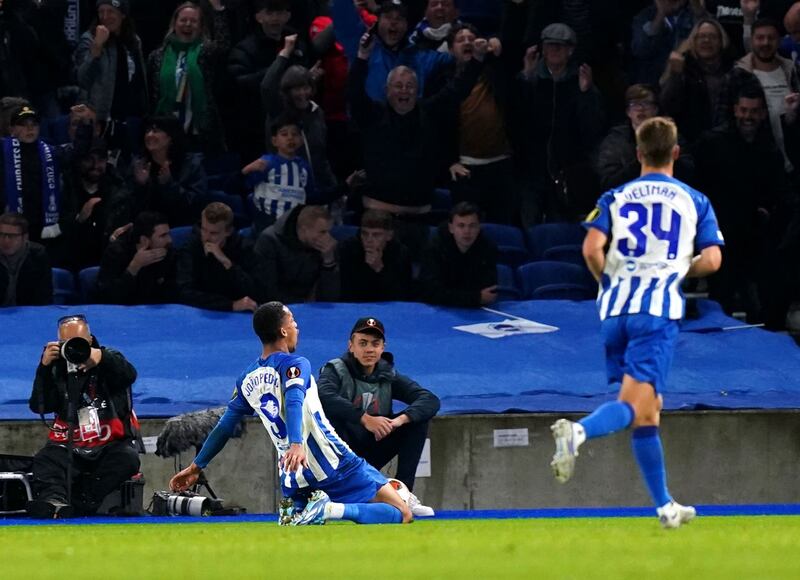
262 389
656 224
285 184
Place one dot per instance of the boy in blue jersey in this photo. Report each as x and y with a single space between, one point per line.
657 230
279 388
282 180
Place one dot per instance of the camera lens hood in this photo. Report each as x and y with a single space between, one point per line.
76 350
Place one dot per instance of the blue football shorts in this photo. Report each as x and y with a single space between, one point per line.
354 482
641 346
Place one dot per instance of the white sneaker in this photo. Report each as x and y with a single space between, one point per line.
419 510
674 515
314 512
563 463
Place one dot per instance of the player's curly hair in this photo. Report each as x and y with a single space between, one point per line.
267 321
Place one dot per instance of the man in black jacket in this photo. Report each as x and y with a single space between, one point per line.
357 390
374 266
741 170
216 269
91 448
250 59
139 267
25 275
562 120
298 257
403 141
460 265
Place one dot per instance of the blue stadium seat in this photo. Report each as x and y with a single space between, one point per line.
88 279
55 131
542 237
506 289
555 280
224 164
572 253
180 236
64 291
510 243
442 199
344 232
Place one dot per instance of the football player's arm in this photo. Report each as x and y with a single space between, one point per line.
707 262
214 443
294 396
594 252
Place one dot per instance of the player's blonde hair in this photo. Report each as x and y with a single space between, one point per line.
656 138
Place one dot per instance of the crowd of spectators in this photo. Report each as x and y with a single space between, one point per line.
117 114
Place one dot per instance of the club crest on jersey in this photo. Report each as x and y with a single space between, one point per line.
293 372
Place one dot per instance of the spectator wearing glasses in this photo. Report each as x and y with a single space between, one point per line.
25 275
616 157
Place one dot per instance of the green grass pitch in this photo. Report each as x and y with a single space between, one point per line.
765 547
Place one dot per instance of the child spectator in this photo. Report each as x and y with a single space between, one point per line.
281 180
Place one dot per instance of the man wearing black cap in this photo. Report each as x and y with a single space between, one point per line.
357 391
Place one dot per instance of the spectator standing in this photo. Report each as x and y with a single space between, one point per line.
777 75
563 122
31 184
657 31
405 133
249 60
693 80
111 72
182 74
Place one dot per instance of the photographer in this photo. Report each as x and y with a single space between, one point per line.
88 387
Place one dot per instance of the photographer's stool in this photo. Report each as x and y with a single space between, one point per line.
15 493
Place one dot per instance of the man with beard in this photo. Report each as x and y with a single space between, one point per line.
777 76
741 170
139 267
94 194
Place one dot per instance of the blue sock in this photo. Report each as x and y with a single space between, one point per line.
650 457
608 418
372 513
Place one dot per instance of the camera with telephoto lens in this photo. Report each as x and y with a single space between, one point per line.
75 350
185 503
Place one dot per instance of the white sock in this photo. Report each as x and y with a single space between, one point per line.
334 511
578 434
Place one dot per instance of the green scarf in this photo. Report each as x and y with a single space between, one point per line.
170 102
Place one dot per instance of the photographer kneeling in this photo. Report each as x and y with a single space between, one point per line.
88 387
